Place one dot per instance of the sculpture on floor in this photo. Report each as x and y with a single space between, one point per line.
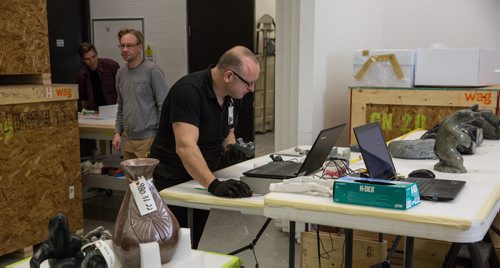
62 248
449 136
93 255
131 228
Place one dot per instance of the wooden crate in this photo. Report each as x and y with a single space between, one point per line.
365 252
402 110
429 253
24 42
398 256
40 162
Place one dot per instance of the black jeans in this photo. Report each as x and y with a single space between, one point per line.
162 179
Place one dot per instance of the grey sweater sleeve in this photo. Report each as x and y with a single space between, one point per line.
160 88
119 101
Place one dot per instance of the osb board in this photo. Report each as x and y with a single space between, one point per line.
24 42
419 102
39 160
397 120
429 253
15 94
365 252
374 236
21 79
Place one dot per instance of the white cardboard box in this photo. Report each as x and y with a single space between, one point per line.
380 72
496 78
454 67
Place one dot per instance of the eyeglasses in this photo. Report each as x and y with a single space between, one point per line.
242 79
128 46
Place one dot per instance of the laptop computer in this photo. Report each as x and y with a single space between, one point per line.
379 165
314 160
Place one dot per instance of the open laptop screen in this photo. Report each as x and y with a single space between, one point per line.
374 150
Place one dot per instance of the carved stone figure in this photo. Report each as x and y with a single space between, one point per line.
62 248
449 136
412 149
489 122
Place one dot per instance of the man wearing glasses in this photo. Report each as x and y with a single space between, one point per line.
197 125
141 88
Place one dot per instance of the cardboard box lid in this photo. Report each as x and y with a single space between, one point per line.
454 66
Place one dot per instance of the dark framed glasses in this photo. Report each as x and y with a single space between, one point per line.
242 79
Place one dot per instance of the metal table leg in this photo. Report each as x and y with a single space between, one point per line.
348 248
409 252
291 246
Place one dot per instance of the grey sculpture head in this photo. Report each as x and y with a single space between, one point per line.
449 136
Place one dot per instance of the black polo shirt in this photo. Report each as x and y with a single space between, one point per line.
192 100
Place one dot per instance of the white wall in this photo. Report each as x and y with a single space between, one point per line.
265 7
164 26
314 57
341 26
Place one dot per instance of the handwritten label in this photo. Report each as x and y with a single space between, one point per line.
142 196
106 252
407 123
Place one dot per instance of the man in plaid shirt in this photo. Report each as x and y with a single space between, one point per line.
96 80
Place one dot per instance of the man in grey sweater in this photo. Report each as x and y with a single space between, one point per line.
141 88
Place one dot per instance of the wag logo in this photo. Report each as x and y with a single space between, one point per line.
64 92
485 98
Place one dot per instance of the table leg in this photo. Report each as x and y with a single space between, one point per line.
190 222
409 252
348 248
449 262
475 255
291 245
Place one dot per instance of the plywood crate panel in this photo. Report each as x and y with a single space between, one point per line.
402 110
39 160
24 45
365 252
429 253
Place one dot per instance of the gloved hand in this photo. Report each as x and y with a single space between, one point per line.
238 152
229 188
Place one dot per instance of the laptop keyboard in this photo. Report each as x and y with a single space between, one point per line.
285 167
423 184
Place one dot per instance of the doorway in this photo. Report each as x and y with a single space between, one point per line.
214 27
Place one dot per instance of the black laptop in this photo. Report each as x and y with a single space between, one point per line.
314 160
379 165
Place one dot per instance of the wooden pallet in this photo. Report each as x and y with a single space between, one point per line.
22 253
22 79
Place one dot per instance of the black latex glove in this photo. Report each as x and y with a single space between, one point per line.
229 188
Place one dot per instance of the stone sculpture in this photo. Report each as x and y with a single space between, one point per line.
62 248
413 149
449 136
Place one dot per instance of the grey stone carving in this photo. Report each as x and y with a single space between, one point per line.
413 149
449 136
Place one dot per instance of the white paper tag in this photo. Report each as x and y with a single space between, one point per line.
230 115
106 252
142 196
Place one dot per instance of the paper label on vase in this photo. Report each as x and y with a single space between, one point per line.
142 196
106 252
